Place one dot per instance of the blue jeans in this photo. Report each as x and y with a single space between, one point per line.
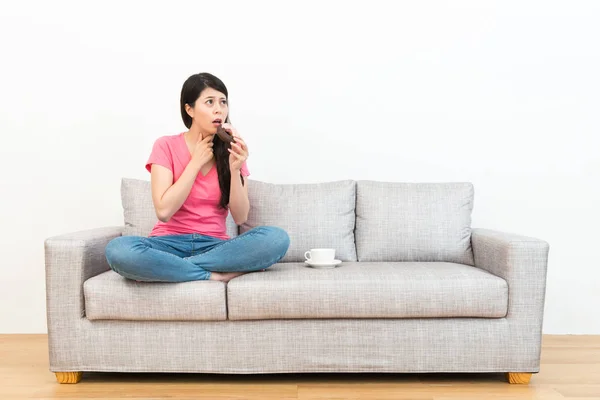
190 257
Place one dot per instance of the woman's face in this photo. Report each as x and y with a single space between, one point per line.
211 106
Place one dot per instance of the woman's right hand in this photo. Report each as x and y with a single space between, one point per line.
203 151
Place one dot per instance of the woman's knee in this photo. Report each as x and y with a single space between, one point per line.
278 238
119 251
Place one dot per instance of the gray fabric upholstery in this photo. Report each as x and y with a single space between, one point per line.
414 221
368 290
110 296
523 262
314 215
389 329
138 210
70 260
288 346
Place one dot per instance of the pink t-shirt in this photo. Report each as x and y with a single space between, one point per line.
200 213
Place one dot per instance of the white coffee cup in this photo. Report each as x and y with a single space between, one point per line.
320 255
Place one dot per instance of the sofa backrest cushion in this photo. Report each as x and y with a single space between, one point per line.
315 215
138 209
414 221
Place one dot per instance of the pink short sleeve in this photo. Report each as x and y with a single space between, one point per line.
244 169
160 155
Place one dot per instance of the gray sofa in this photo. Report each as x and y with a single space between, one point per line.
419 290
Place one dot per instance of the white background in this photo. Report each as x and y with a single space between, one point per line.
502 94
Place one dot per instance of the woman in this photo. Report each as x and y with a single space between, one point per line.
196 178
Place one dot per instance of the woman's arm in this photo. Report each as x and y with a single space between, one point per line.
168 196
239 205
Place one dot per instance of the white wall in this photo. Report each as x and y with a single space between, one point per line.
501 94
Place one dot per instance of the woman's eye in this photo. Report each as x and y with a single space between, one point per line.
209 101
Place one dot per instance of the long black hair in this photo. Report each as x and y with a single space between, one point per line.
190 92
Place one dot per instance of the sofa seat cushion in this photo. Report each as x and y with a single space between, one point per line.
111 296
368 290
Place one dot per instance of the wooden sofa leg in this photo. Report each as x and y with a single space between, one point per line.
518 377
68 377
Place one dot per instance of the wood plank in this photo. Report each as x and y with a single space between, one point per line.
579 390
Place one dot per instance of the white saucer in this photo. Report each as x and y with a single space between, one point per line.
329 264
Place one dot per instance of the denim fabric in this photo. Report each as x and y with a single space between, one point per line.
189 257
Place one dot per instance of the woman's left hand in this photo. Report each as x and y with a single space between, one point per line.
238 153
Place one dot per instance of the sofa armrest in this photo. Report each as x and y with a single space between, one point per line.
70 260
520 260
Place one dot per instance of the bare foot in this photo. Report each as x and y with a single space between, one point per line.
224 276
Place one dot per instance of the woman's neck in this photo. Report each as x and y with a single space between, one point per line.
194 134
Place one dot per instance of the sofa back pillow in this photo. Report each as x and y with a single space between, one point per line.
414 221
314 215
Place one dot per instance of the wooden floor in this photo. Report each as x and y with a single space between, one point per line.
570 370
